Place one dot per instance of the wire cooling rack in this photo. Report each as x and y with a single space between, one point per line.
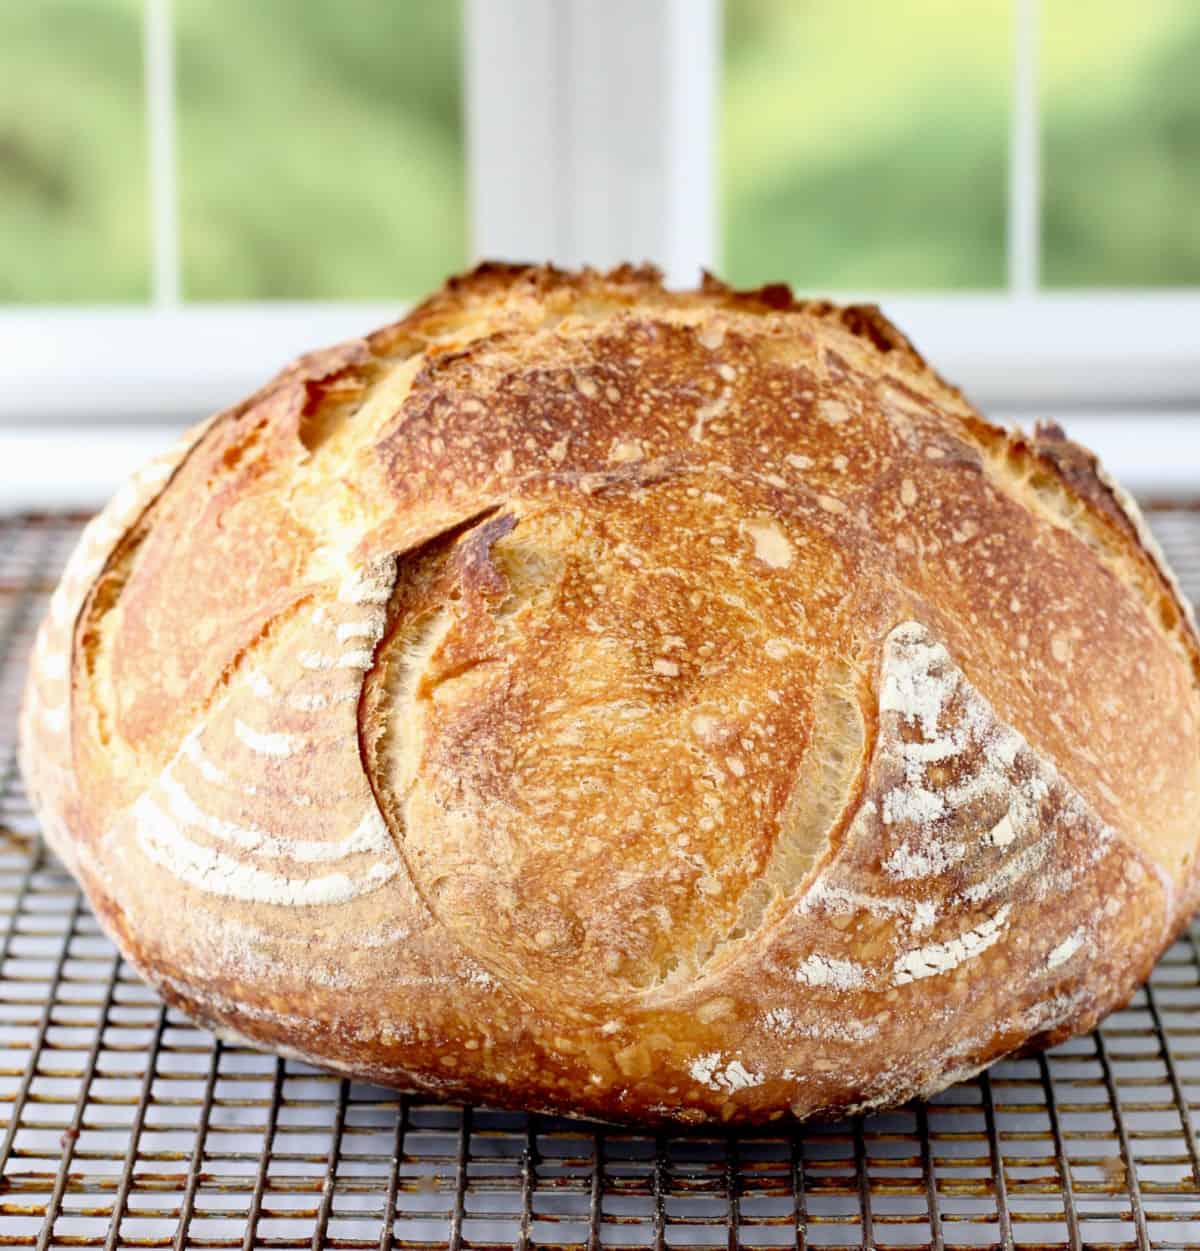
123 1125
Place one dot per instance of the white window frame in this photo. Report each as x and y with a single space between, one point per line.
591 136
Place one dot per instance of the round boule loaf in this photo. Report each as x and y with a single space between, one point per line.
655 706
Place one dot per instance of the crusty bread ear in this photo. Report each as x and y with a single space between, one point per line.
659 706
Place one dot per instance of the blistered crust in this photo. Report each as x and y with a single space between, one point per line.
656 706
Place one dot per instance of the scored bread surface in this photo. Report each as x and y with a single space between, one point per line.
655 706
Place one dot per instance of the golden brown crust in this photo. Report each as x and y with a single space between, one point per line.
660 706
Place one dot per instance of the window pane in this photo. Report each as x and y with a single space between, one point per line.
74 216
1121 143
320 147
865 145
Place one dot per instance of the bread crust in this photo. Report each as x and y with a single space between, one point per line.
653 706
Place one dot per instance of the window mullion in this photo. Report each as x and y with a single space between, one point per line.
612 108
160 126
1024 154
513 119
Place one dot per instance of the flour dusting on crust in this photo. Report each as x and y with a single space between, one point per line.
714 1071
191 822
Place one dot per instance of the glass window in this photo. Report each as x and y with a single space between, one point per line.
865 145
320 148
74 198
1120 89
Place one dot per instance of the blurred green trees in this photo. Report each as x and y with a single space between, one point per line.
320 149
863 146
866 145
74 212
1121 143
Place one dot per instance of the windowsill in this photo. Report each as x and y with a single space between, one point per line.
79 467
1082 352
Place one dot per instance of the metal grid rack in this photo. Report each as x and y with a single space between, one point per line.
123 1125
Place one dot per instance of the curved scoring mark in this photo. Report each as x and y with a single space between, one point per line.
46 738
390 709
105 558
95 625
396 748
820 795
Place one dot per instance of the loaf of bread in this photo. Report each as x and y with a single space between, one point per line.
653 706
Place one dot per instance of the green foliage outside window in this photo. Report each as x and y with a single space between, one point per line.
862 146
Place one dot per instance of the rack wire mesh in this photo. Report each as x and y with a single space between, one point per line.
121 1124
